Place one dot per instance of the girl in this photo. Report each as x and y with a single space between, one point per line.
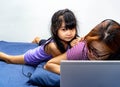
101 43
63 31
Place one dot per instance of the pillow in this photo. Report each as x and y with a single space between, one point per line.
44 78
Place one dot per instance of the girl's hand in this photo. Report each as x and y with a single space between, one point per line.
76 41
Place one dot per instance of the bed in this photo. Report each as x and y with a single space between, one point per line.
18 75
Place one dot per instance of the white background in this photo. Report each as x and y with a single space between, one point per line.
22 20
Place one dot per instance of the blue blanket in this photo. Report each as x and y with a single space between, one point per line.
15 75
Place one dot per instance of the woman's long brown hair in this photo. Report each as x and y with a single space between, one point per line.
108 31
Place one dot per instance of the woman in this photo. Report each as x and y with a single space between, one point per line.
101 43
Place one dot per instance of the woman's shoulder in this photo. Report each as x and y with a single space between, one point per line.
81 44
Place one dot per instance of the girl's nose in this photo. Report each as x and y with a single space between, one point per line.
69 32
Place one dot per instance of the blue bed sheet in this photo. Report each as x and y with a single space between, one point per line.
15 75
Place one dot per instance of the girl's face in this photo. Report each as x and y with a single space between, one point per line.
98 51
66 34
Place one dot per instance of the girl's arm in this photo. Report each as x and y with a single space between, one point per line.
53 65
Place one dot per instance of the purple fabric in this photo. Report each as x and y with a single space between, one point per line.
36 56
78 52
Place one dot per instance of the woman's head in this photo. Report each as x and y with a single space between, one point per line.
63 27
107 35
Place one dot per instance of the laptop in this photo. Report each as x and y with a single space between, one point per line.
90 73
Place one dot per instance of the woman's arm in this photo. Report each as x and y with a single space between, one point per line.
75 53
53 65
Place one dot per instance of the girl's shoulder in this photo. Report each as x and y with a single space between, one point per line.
52 49
49 43
52 45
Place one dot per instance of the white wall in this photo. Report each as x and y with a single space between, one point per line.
22 20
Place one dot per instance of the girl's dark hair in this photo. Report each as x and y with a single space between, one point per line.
108 31
60 16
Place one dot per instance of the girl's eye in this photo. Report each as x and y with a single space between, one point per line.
64 29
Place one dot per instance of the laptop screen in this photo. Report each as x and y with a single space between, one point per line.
90 73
